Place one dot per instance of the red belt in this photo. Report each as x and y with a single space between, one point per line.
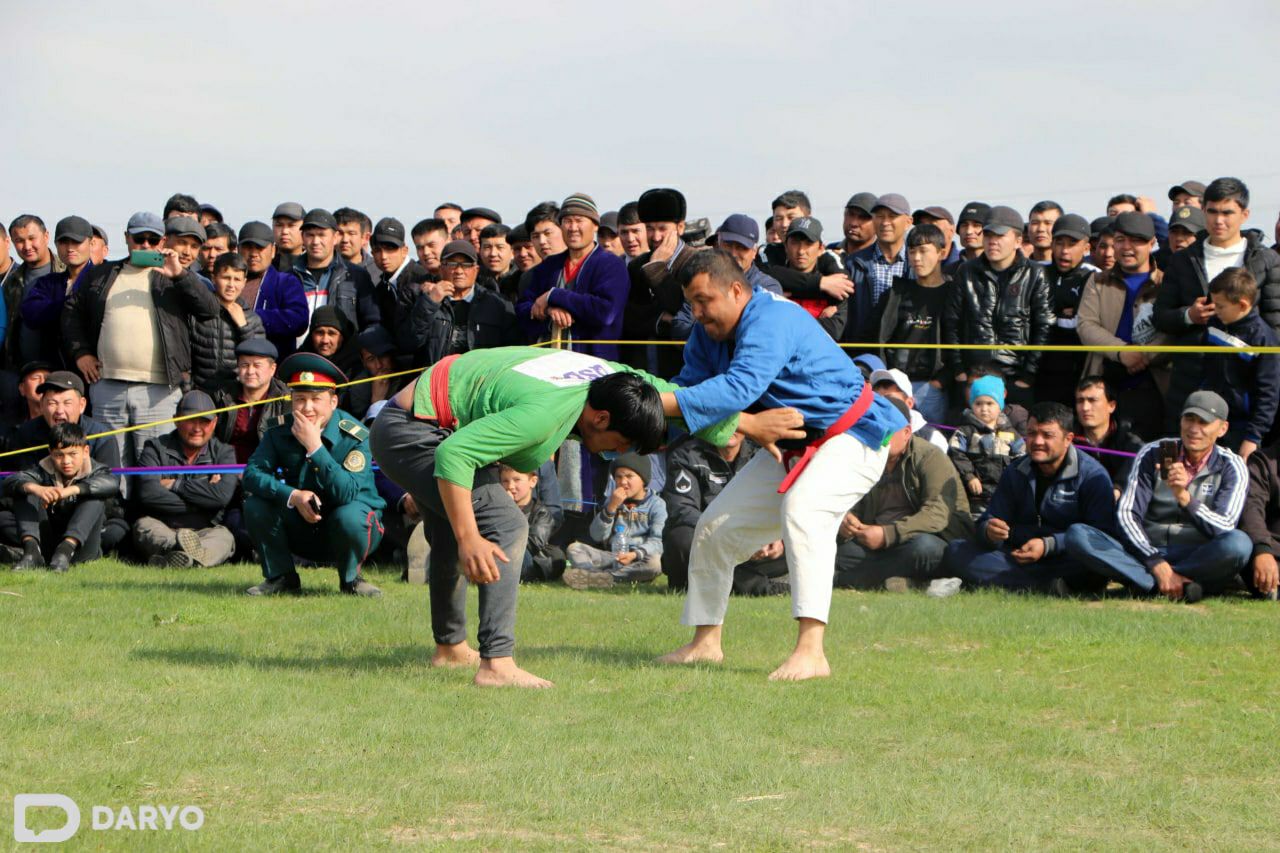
796 460
439 390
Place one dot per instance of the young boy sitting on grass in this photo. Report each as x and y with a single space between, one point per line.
214 341
542 560
985 443
629 525
62 499
1249 382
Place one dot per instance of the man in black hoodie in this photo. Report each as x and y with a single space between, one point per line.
1066 273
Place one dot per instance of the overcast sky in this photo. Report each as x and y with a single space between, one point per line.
392 107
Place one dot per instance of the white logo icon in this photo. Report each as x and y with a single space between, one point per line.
22 802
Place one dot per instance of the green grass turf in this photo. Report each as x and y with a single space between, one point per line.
980 721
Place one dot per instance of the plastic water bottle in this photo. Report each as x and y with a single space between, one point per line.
620 536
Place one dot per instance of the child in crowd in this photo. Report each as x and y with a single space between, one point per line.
213 341
629 524
542 560
1249 382
985 443
63 499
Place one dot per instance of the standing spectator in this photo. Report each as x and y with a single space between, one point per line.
1185 227
328 279
61 500
1067 274
214 340
631 231
1102 243
255 381
277 297
581 292
608 234
184 236
42 306
901 527
739 236
543 225
1040 222
378 357
98 245
476 219
209 215
788 207
985 443
1024 538
1249 382
218 240
333 336
398 280
1118 307
805 254
655 299
126 328
1260 520
969 231
354 230
450 215
1183 306
912 313
181 522
873 275
1178 513
1097 426
286 228
495 256
999 298
183 206
9 268
942 219
1187 194
859 229
523 253
31 242
453 316
429 237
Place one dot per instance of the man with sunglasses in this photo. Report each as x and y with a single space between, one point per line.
126 330
452 316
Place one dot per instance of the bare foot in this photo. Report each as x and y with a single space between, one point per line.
802 666
503 672
455 656
695 652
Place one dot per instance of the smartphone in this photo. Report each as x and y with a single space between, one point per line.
314 503
146 258
1170 452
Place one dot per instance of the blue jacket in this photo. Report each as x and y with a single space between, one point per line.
1080 494
643 523
1249 382
595 299
283 308
778 357
42 310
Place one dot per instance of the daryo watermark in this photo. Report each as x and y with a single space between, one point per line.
141 818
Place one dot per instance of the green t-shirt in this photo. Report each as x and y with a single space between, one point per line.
517 405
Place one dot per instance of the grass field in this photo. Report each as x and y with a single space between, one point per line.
981 721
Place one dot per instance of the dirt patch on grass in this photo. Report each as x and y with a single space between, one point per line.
1148 606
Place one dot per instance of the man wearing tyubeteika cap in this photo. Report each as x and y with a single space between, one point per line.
309 487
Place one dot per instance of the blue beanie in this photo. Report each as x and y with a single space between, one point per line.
987 386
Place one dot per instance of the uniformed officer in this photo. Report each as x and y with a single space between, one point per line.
309 487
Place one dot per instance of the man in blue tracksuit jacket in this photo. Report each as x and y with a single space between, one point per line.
750 352
1022 537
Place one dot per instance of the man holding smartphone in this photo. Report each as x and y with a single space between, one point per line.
309 487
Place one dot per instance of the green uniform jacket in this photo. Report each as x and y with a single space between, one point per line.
340 471
933 486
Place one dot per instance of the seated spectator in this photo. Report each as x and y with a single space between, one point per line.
276 296
1249 382
895 385
60 503
333 336
1022 539
696 472
1117 308
181 514
1097 426
378 355
911 313
1177 515
1260 521
985 443
629 525
214 340
41 307
901 527
452 316
542 560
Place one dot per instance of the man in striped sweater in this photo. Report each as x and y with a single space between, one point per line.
1178 513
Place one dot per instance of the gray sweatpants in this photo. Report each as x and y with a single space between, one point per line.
405 449
153 536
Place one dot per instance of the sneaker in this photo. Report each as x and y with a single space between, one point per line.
635 574
189 544
60 562
1192 592
897 584
576 578
289 584
943 587
362 588
10 554
171 560
30 560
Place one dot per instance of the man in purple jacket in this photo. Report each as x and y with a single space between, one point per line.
276 296
579 293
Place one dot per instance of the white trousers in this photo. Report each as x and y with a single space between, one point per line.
750 513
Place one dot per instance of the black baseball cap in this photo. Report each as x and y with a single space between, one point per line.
289 210
390 231
184 226
256 234
609 222
807 226
208 208
1189 218
1102 225
861 201
1001 220
1194 188
377 340
318 217
99 233
1134 224
974 211
459 247
75 228
60 380
1071 225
